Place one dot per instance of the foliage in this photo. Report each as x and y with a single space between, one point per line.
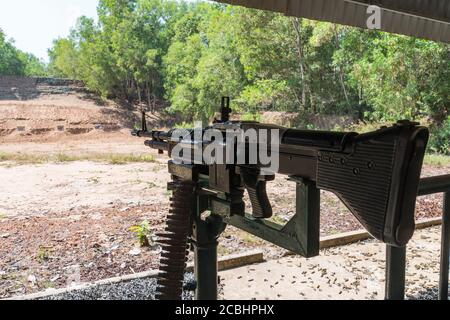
142 232
16 62
440 138
402 77
64 59
10 62
121 55
33 66
43 254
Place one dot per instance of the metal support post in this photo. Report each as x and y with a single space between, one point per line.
395 273
445 249
307 226
205 241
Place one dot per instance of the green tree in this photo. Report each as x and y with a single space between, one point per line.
33 65
16 62
10 60
202 64
403 77
64 59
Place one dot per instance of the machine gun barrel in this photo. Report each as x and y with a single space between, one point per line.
157 135
158 145
306 139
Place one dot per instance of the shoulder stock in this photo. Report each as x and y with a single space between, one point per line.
378 179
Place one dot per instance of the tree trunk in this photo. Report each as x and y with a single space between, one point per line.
138 89
341 71
149 99
306 88
296 23
154 96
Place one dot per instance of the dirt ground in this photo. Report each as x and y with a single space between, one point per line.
69 222
353 272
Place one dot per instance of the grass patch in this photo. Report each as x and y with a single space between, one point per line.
248 239
48 285
168 193
223 251
61 158
278 220
115 159
128 158
22 158
43 254
437 160
94 180
151 185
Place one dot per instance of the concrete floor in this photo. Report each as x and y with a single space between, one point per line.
351 272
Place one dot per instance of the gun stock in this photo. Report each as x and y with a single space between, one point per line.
378 181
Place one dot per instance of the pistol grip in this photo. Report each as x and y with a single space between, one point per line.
256 188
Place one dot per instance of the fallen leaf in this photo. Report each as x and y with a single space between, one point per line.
135 252
55 278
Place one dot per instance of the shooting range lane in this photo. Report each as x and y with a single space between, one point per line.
354 272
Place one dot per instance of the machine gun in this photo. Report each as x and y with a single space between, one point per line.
376 175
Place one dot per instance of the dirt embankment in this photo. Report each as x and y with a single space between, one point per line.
37 107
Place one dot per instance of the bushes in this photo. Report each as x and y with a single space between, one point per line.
440 138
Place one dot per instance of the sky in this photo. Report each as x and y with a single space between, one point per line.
34 24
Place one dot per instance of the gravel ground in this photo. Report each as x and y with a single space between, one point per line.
346 273
144 289
428 294
353 272
139 289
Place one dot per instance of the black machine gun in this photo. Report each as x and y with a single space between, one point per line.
376 175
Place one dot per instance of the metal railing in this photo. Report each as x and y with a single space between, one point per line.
396 257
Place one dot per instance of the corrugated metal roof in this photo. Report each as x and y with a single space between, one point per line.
427 19
432 9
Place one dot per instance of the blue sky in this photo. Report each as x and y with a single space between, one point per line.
34 24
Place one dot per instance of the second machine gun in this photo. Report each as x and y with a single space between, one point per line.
376 175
